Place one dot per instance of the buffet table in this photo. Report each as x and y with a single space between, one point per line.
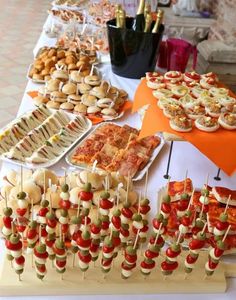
185 156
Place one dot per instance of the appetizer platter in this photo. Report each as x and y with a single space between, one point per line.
192 100
65 15
41 137
83 94
44 244
69 4
115 148
50 59
214 206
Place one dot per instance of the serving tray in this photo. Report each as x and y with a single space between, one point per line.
138 176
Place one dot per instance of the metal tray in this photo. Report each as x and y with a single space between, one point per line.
138 176
56 159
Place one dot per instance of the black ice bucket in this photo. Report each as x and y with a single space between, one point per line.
132 53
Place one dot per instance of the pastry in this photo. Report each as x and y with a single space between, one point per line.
195 112
207 124
99 92
67 106
188 101
69 88
228 121
156 82
84 88
58 97
191 77
181 124
207 83
92 80
179 91
173 110
88 100
40 100
93 109
162 93
61 75
80 108
213 109
53 105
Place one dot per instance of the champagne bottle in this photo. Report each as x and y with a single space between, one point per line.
139 20
159 19
147 10
148 22
122 16
117 15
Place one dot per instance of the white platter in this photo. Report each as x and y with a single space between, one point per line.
138 176
56 159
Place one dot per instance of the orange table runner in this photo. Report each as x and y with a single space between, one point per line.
95 119
219 146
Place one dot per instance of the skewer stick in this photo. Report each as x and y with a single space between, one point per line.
191 200
91 71
167 185
158 234
6 199
19 278
185 181
32 209
83 275
146 185
226 233
21 178
44 184
179 237
136 240
78 209
227 204
202 208
40 233
139 202
127 191
204 228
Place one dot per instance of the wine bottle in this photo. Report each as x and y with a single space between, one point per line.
148 22
160 14
139 20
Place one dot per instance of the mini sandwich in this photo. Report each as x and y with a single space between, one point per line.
61 75
93 109
40 100
105 102
69 107
76 77
88 100
52 85
99 92
74 99
58 97
109 113
84 88
69 88
53 105
80 108
93 80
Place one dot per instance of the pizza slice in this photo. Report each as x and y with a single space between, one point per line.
85 152
222 194
105 156
176 188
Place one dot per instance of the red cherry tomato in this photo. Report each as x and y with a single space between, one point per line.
166 208
59 251
144 209
13 247
169 266
31 234
185 221
94 247
148 266
116 222
49 243
43 211
127 212
20 227
107 249
196 244
52 223
127 267
21 211
7 222
61 263
212 264
151 254
64 204
182 205
20 260
130 258
86 196
222 225
156 224
171 253
124 232
105 225
85 258
116 241
106 262
41 268
190 259
218 252
105 204
40 255
95 229
83 243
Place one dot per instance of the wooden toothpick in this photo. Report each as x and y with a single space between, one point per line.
191 200
158 234
136 240
227 204
127 191
146 185
226 233
21 178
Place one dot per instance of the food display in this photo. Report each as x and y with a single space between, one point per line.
50 59
192 100
67 15
41 136
89 219
68 3
213 207
115 148
88 95
101 12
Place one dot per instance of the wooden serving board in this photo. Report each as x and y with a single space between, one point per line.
94 282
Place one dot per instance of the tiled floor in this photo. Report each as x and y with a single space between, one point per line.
21 23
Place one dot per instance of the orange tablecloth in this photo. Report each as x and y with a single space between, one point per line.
95 119
219 146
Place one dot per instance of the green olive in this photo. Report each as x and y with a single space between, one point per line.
116 212
14 238
144 202
21 195
130 250
44 203
220 244
65 188
86 235
33 224
41 248
201 236
127 204
60 244
175 247
159 217
105 195
166 199
223 217
64 213
184 196
50 216
87 187
137 217
75 220
85 212
205 192
7 211
125 226
108 241
98 223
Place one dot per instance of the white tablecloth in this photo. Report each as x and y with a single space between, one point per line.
185 156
